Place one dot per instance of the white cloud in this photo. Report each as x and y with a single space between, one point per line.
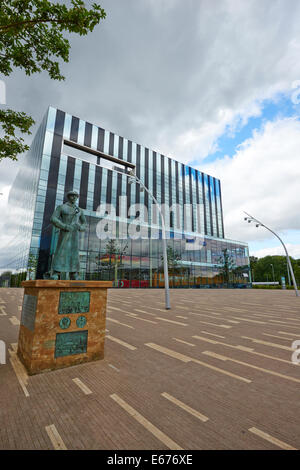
263 179
8 228
293 251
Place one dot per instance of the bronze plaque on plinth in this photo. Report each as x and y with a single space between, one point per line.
74 302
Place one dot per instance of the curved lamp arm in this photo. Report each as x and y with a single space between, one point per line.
250 218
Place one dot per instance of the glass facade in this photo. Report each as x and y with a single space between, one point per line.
123 239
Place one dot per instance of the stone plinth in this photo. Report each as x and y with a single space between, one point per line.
62 323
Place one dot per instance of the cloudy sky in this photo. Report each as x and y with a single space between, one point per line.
212 83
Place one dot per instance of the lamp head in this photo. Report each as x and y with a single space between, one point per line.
132 172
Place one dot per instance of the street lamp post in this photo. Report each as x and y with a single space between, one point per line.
250 218
132 178
166 273
288 273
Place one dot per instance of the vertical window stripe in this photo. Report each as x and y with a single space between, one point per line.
162 179
216 207
120 149
70 174
88 134
146 196
97 187
109 187
84 185
204 203
74 129
223 232
111 143
100 143
138 173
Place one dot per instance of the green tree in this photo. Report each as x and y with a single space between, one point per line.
111 249
5 278
253 263
32 265
31 38
173 257
174 266
263 271
227 264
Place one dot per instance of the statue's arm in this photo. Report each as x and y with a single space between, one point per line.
56 219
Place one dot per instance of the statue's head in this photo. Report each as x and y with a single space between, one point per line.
72 196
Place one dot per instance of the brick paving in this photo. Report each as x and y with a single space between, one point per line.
216 375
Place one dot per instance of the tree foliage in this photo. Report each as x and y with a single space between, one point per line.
12 144
32 39
262 269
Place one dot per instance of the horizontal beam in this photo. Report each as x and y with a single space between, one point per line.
98 153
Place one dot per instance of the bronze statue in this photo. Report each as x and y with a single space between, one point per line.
70 220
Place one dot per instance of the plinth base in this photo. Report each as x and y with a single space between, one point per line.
62 323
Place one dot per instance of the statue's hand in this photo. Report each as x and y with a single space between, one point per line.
74 227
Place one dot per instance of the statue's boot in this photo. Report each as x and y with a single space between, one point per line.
55 276
74 276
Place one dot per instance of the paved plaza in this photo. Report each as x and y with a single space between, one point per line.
214 372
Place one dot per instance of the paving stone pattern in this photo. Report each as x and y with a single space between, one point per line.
214 372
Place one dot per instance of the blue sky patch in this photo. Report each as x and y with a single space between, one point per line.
228 143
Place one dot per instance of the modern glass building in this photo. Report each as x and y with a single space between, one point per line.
123 241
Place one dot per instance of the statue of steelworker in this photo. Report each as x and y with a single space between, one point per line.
70 220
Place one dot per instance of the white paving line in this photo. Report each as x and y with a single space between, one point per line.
249 350
212 334
273 440
19 370
143 311
184 342
185 407
214 324
267 371
119 323
162 437
288 334
266 343
82 386
275 336
136 317
171 321
123 343
184 358
55 438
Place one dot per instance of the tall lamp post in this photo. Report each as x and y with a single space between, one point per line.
250 218
132 179
288 273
